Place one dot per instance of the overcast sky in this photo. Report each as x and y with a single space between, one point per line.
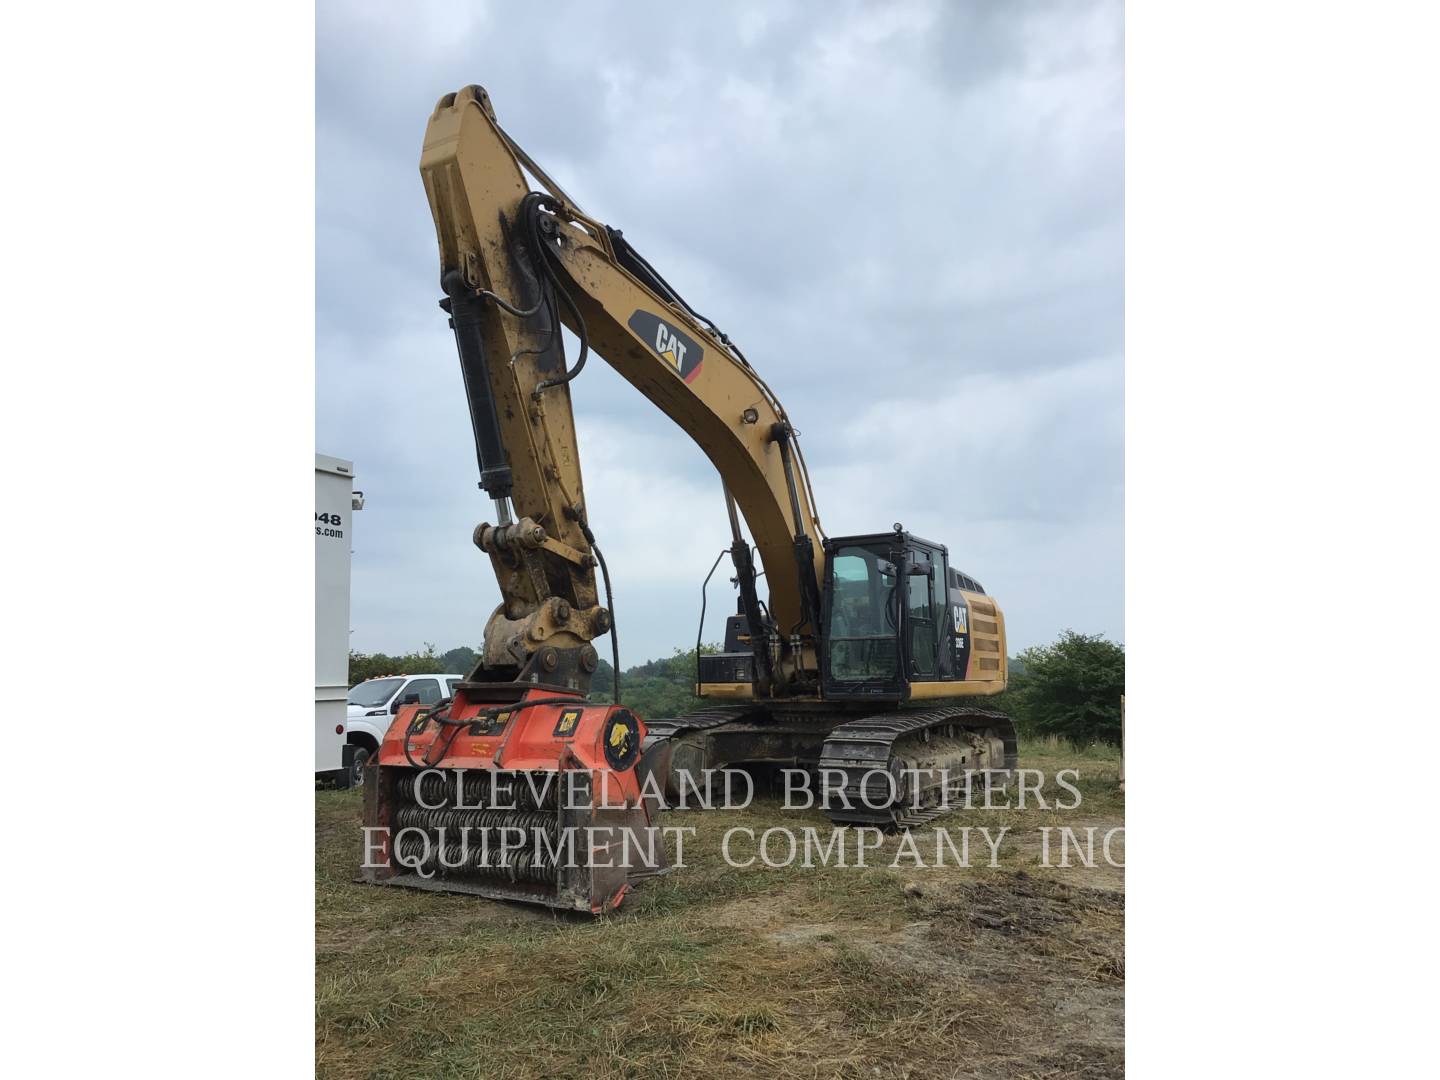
909 216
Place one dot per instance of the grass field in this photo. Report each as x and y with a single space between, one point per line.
1012 971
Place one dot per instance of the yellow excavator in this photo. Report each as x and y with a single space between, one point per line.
858 660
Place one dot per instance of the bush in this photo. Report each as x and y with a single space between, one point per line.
1070 689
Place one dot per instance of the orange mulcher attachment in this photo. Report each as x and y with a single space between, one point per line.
534 799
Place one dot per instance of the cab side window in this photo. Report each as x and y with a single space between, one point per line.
428 689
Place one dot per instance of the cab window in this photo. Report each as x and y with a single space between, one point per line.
863 611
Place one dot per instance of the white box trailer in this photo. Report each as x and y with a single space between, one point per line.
335 501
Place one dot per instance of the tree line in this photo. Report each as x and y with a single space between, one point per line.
1069 688
457 661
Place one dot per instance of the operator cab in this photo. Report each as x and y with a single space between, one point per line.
897 622
894 614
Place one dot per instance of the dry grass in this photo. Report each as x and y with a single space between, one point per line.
1015 971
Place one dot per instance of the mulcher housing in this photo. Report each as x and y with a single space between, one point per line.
535 799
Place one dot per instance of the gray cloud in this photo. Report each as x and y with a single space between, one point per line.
909 215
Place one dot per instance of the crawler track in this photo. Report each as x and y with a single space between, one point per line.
702 720
937 745
870 747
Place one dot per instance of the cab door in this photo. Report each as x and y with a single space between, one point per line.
922 629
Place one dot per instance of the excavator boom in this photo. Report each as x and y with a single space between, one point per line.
522 263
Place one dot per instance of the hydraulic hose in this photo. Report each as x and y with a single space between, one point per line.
483 714
610 605
531 207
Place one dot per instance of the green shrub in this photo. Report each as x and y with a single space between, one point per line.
1070 689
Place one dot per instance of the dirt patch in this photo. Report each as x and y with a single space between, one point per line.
1034 964
806 933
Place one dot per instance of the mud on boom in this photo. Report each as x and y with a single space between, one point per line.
858 656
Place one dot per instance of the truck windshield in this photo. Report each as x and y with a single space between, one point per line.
374 692
862 634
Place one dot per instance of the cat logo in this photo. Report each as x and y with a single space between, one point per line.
566 724
622 740
682 352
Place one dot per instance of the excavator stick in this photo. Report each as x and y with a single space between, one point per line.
514 793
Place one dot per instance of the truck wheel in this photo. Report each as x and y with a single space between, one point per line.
355 759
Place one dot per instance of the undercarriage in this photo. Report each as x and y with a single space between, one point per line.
889 770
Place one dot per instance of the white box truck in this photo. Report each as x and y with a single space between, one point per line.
335 501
